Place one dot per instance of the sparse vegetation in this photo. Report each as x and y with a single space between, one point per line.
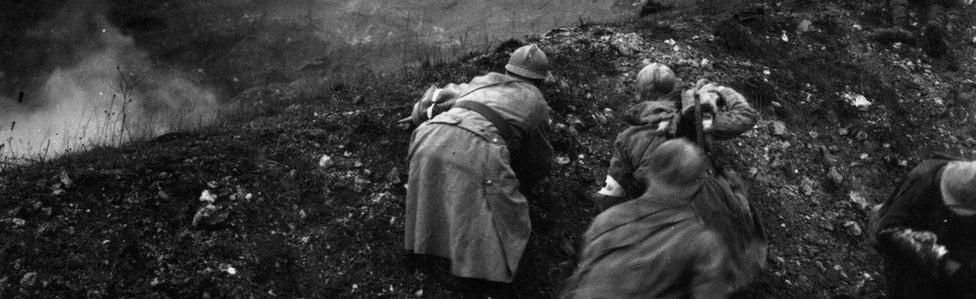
122 224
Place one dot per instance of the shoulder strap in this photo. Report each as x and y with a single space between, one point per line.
484 86
492 116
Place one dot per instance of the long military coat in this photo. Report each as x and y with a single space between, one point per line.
725 211
656 246
463 201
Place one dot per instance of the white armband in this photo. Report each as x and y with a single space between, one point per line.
661 126
612 188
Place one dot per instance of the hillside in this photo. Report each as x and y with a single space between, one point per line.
118 222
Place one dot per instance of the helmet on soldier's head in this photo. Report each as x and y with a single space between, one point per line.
674 168
529 61
655 78
958 187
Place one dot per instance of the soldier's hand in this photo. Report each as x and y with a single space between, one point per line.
701 83
922 245
709 87
405 124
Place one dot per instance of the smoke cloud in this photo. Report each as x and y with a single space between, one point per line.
101 90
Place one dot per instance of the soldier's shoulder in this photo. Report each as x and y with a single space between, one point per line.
928 167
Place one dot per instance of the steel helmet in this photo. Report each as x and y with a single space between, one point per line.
959 186
655 78
674 168
529 61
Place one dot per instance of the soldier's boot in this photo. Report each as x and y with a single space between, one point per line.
899 14
898 31
934 31
894 35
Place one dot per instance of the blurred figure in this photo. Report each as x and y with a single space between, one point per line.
932 19
722 202
658 103
664 113
655 246
463 201
926 232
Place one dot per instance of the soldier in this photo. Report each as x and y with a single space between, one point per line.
933 23
656 118
658 102
721 113
466 164
658 245
926 231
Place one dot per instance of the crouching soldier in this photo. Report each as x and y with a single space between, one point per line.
658 117
658 102
706 111
658 245
926 232
466 165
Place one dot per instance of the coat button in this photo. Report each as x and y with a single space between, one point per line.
488 182
495 140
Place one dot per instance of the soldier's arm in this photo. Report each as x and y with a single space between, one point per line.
434 101
737 118
534 160
899 216
901 209
618 177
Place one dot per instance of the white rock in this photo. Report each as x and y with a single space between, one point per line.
65 180
705 63
325 161
853 227
208 197
777 128
857 100
858 198
229 269
805 25
627 44
29 279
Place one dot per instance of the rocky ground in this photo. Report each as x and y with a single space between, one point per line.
302 195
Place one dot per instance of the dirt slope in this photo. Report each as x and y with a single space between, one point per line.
119 222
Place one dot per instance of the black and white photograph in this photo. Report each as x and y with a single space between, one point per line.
488 149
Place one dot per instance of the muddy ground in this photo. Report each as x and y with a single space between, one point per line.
116 222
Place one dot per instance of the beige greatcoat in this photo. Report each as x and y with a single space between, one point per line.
463 201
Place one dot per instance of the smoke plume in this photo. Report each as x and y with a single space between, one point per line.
99 89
